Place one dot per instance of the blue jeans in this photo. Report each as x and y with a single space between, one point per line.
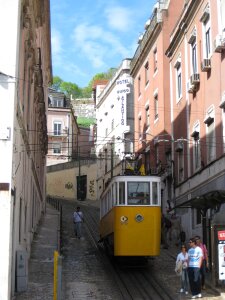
77 229
203 272
184 280
194 280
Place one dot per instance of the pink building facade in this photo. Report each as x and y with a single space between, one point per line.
62 129
179 99
197 66
150 71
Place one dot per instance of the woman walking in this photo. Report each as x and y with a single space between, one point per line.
182 259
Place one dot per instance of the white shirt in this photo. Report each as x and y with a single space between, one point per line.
78 216
183 258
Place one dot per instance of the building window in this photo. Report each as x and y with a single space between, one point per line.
210 139
180 166
56 148
139 86
57 128
139 127
178 80
223 117
222 14
207 42
194 57
156 106
147 117
146 73
210 135
112 125
196 147
155 60
205 19
57 102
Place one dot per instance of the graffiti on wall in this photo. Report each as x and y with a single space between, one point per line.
69 185
91 188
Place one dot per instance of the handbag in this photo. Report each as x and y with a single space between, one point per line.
178 268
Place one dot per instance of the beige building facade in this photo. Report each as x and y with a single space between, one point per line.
25 73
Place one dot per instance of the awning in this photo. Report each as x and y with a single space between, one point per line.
212 199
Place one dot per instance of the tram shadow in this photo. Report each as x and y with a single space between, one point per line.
131 261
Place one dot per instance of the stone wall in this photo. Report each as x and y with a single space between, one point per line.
61 179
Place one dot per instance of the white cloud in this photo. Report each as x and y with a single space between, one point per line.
119 18
57 50
97 44
56 41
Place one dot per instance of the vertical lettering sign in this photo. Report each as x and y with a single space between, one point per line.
221 254
122 90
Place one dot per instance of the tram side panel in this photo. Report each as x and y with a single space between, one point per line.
107 225
137 230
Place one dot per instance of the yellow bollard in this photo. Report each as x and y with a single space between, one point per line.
56 255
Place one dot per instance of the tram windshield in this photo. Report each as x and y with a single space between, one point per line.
138 193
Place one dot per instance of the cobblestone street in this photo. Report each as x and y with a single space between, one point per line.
85 275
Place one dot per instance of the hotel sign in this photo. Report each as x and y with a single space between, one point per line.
122 90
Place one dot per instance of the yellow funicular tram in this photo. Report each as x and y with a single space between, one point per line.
130 216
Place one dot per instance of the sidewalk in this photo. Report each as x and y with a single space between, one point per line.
41 262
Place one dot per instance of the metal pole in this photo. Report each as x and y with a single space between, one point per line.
59 278
79 193
56 254
111 160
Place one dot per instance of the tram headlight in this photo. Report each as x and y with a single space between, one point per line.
123 219
139 218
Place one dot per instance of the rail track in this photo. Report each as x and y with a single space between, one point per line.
134 279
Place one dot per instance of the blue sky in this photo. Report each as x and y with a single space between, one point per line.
91 36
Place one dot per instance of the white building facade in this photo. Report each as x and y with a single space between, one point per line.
115 121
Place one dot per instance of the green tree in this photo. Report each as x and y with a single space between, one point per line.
70 88
57 81
73 89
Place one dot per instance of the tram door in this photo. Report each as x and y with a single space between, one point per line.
81 187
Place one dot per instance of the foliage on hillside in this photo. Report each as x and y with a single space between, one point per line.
85 122
72 89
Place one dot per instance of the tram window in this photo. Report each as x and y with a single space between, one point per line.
138 193
110 199
114 193
155 194
122 193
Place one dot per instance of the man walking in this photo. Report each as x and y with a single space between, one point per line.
77 220
195 258
205 262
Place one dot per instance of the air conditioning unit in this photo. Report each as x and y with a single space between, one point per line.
219 43
206 64
190 87
195 78
140 38
179 147
159 17
147 24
